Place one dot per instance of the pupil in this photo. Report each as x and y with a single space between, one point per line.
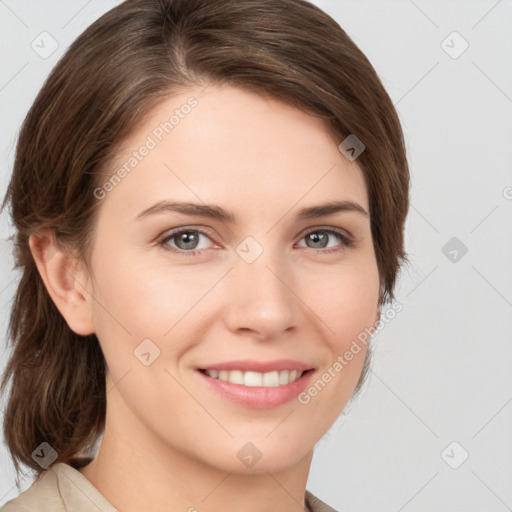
316 238
189 240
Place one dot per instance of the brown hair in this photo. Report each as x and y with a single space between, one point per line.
106 82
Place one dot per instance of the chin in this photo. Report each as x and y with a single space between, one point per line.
253 458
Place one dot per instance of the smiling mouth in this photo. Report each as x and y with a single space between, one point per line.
256 379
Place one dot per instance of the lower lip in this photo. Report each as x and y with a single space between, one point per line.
259 397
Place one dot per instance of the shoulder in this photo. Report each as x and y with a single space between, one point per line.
316 505
62 488
40 496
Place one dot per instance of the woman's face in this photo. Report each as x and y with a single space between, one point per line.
248 284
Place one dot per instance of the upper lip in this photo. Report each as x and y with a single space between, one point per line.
248 365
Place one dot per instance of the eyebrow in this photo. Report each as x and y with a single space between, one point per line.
216 212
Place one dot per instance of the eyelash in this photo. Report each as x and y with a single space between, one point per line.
347 242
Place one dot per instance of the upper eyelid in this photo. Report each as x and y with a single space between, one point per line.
176 231
326 228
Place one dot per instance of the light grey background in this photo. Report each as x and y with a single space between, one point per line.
443 367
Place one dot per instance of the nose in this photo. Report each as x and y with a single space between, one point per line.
261 299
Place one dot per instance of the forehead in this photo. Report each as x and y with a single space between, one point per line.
233 146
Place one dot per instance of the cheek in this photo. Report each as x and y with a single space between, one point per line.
143 299
139 302
348 306
346 299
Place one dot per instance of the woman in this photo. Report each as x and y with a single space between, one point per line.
209 201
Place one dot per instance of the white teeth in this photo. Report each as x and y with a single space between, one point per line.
236 377
271 379
251 379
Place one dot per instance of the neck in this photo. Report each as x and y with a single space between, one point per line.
138 472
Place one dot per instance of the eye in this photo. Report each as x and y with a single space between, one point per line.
319 238
191 242
186 241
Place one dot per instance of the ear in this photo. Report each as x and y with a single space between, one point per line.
65 280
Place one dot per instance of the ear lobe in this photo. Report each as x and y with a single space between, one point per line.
64 281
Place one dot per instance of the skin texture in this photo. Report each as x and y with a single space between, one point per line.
170 442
